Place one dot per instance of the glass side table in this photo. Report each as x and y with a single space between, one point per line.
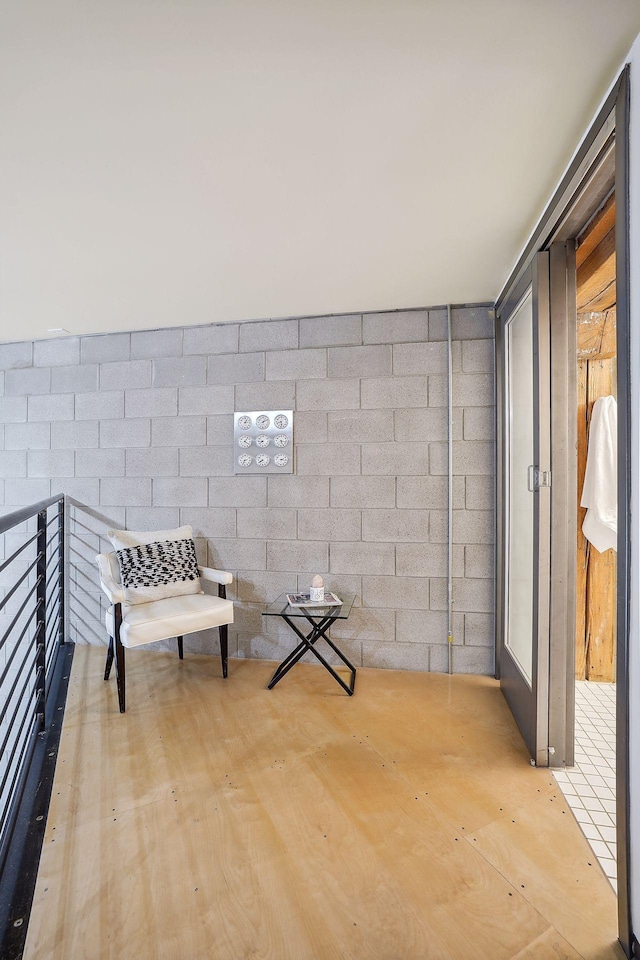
320 617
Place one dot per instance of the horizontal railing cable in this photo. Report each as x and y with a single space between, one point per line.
18 583
17 553
7 633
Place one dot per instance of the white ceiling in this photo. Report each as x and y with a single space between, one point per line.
167 162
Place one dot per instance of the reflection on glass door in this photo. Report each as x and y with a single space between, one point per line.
520 509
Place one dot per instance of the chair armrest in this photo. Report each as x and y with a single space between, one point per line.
217 576
113 590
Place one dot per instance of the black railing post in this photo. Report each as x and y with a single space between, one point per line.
61 559
40 634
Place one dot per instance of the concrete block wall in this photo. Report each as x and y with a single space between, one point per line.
138 429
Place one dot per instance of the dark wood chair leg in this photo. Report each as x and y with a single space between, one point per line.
224 648
107 669
119 651
180 648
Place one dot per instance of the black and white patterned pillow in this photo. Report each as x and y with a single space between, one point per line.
156 565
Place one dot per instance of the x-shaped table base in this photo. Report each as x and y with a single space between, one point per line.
308 642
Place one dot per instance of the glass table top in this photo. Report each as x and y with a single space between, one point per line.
281 607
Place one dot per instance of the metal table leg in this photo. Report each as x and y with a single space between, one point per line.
319 629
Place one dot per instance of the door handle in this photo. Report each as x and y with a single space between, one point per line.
537 478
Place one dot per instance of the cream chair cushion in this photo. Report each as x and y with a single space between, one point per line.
173 617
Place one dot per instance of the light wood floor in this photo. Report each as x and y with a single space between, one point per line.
216 819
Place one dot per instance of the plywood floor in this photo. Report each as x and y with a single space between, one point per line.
221 820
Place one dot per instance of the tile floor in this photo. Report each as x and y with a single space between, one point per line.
590 786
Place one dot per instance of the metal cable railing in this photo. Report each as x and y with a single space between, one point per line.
32 631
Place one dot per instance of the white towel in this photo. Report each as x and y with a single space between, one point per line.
600 490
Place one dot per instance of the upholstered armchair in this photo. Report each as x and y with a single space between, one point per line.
132 620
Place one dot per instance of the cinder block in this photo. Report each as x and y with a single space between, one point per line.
210 522
235 368
264 396
472 323
16 355
474 390
155 402
480 493
86 492
470 458
206 461
329 524
238 554
216 338
331 331
395 459
100 406
327 459
219 429
419 359
395 327
423 492
269 523
473 526
27 436
269 335
13 464
153 518
132 491
479 560
298 555
311 426
27 382
361 492
152 462
202 400
100 463
438 526
75 379
125 433
362 558
396 592
370 361
249 491
297 365
394 392
13 409
180 371
479 630
53 406
476 660
469 596
423 560
125 375
105 348
263 586
479 423
366 624
50 463
320 395
438 324
180 492
57 352
395 526
439 390
361 426
478 356
293 491
426 626
148 344
1 383
395 656
21 492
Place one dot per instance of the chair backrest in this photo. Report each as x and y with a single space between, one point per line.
108 563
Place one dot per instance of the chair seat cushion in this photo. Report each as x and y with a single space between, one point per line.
173 617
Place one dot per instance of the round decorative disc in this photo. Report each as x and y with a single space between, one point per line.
281 421
262 460
263 422
245 460
244 423
262 441
281 460
244 442
281 440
